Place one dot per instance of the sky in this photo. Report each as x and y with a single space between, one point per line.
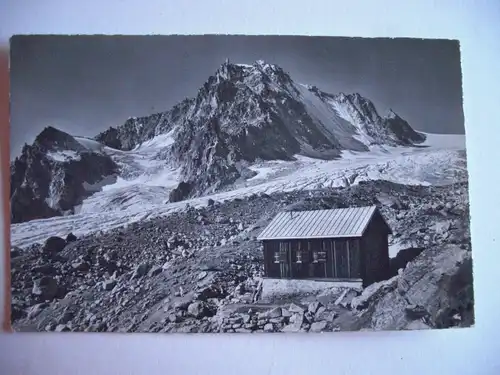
85 84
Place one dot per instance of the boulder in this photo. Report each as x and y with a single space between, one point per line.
318 326
437 284
109 285
35 310
313 307
71 238
53 245
45 288
268 327
198 309
274 313
155 270
14 252
62 328
346 298
81 266
295 308
140 271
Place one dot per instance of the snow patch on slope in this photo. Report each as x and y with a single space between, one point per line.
325 114
63 156
90 144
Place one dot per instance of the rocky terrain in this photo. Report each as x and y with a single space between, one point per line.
200 270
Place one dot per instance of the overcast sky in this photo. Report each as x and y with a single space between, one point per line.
84 84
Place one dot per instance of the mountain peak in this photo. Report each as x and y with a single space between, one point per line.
391 114
51 138
50 134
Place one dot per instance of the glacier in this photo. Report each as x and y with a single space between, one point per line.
142 191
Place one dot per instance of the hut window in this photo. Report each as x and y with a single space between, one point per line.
319 256
281 255
299 257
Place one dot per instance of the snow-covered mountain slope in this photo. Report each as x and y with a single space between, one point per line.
142 195
244 113
249 129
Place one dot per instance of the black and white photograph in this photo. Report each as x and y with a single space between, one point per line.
238 184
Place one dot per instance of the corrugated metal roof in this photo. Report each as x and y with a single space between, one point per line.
342 222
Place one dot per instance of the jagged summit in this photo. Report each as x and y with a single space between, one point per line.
51 138
391 114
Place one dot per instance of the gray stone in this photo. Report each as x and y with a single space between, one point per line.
326 315
155 270
81 266
313 307
66 317
173 318
242 330
415 312
15 252
109 284
297 319
45 288
198 309
53 245
439 276
295 308
274 313
62 328
35 310
346 298
140 271
268 328
291 328
320 311
277 320
318 326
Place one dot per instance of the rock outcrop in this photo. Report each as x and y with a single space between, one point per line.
54 175
436 287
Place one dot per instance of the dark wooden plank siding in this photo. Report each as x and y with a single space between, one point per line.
364 258
354 259
375 251
343 258
272 268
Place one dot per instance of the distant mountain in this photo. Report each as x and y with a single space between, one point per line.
54 175
241 114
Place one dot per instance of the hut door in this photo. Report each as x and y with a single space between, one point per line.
341 260
318 265
285 260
